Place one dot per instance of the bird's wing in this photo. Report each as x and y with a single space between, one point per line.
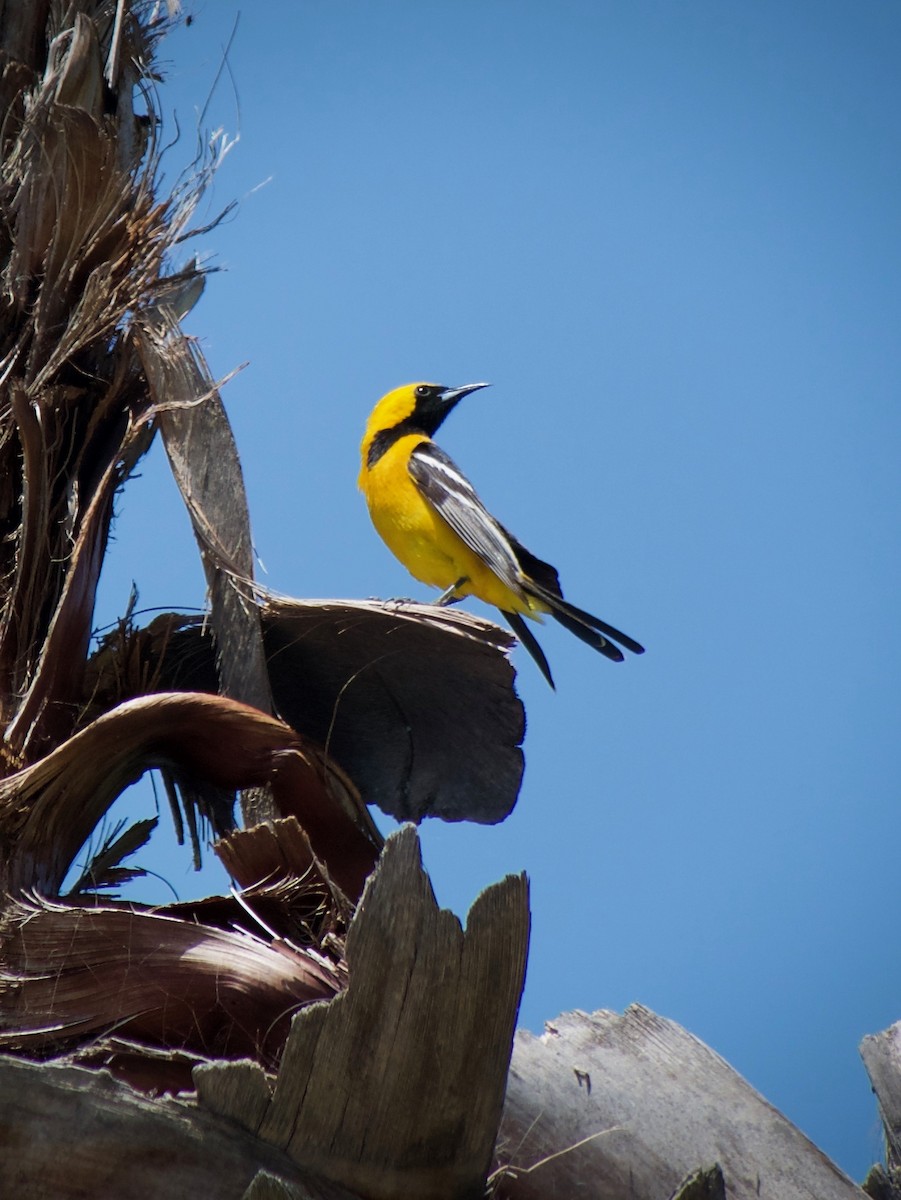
444 485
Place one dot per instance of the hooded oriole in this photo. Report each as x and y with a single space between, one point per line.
430 517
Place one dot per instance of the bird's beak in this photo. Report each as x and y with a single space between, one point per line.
450 396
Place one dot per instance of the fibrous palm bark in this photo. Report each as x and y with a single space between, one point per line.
94 365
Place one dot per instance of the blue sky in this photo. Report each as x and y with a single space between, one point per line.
669 236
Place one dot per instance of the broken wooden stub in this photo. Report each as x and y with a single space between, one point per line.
611 1105
395 1088
881 1053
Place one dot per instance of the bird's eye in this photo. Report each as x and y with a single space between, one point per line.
422 391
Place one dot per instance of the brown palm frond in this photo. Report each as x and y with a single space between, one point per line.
48 810
103 869
275 865
169 982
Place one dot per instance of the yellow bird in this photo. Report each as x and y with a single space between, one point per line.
429 516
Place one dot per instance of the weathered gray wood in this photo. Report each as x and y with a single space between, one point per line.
204 459
203 456
644 1104
881 1054
237 1090
395 1088
68 1133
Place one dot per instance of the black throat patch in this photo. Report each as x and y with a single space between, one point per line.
385 438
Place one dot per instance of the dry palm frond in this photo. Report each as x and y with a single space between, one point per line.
351 674
103 869
84 247
48 810
275 863
67 974
414 701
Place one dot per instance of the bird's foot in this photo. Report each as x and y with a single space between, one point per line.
450 595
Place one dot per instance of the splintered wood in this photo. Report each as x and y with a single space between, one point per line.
395 1088
608 1105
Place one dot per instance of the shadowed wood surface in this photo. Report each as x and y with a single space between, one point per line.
650 1105
68 1133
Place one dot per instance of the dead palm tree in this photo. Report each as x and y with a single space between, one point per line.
93 366
394 1088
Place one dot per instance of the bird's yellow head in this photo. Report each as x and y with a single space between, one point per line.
413 408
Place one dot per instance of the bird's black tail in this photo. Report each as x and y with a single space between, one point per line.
540 579
592 630
528 639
